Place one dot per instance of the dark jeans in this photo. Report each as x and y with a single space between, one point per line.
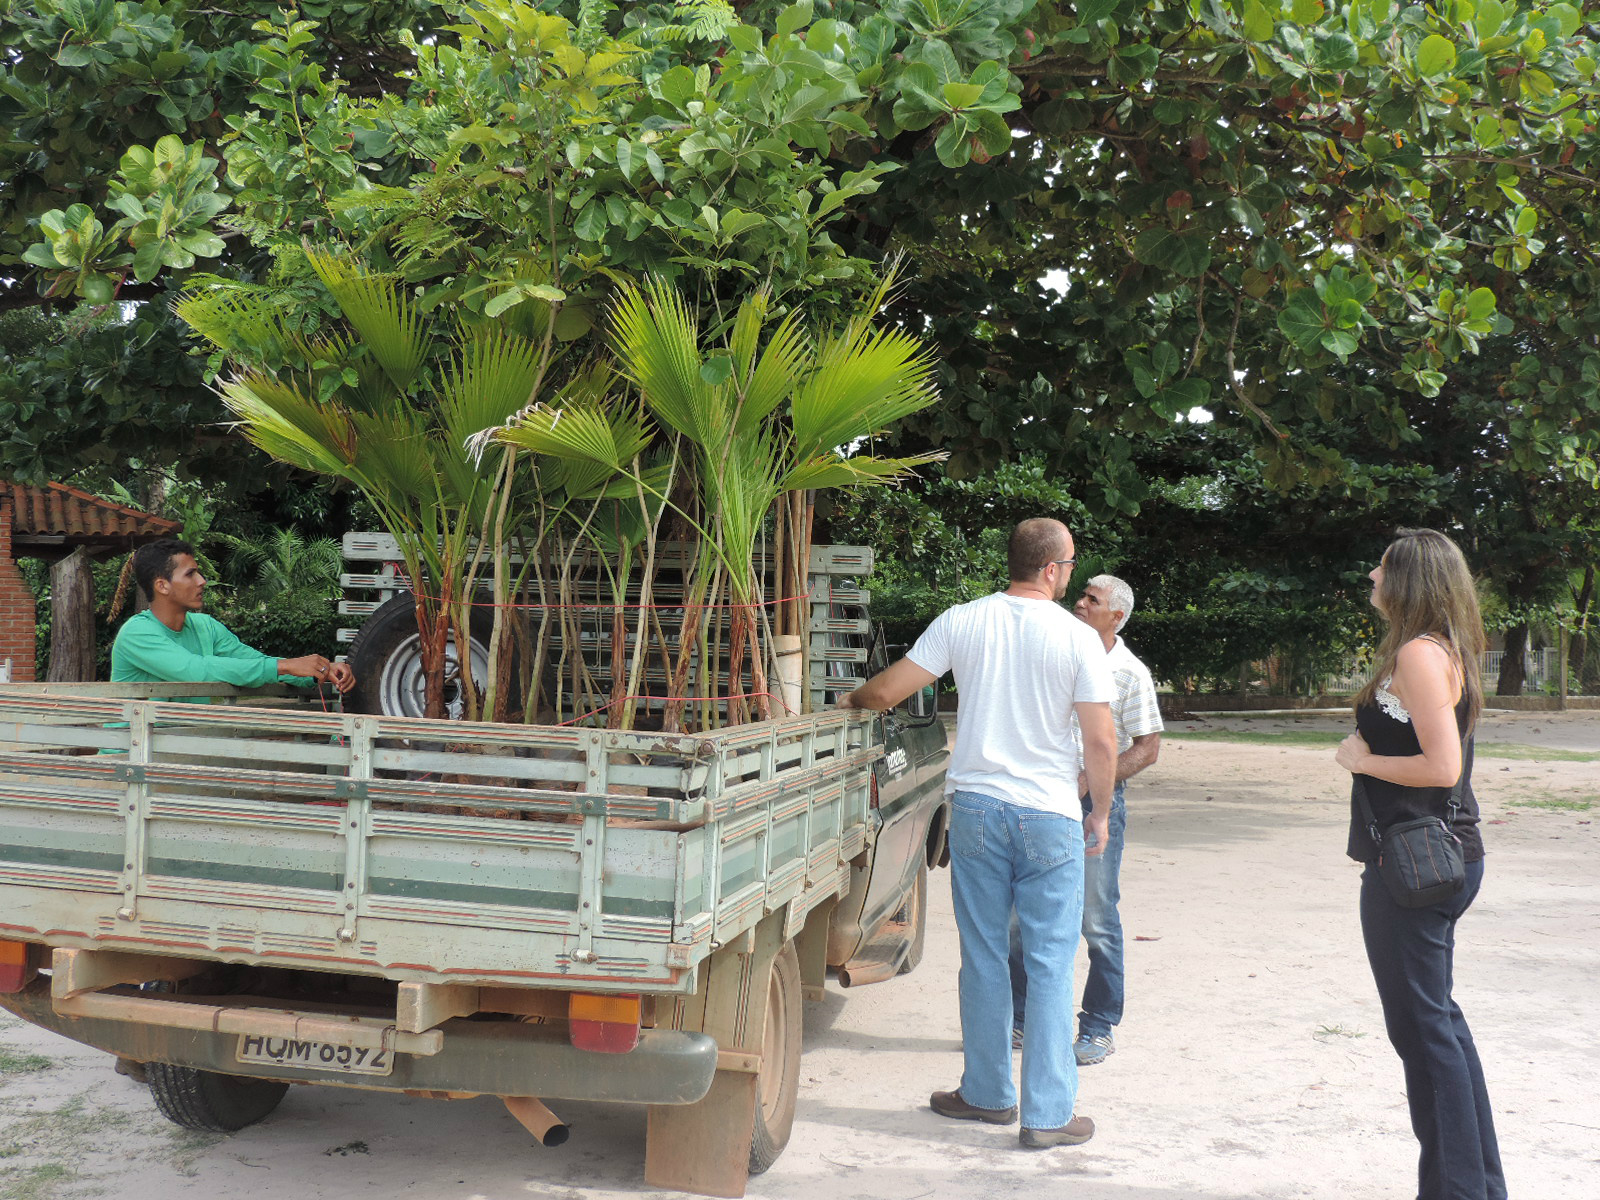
1411 951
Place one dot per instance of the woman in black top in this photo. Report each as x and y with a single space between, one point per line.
1414 743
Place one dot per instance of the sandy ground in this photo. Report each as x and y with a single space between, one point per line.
1252 1062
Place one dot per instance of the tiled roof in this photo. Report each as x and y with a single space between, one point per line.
56 510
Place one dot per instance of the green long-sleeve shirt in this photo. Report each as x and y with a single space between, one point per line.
203 651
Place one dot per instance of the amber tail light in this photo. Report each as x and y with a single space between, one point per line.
608 1024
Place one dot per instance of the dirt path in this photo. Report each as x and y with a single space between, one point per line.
1252 1063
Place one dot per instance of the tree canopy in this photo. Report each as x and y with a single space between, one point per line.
1306 217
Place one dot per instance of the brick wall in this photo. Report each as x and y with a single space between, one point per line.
16 605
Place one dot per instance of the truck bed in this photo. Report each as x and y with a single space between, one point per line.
417 850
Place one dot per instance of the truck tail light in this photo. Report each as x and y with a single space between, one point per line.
608 1024
14 972
872 792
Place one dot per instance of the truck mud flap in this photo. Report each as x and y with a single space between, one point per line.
493 1058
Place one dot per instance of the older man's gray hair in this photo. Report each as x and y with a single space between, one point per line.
1118 594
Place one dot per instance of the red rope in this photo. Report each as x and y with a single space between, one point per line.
626 607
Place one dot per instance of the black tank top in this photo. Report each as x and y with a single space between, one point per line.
1387 729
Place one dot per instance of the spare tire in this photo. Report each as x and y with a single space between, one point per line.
386 656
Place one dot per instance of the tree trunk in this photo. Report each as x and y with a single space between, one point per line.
71 620
1512 667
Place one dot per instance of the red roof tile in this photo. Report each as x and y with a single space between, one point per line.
58 510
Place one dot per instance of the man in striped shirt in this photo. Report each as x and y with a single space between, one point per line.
1105 606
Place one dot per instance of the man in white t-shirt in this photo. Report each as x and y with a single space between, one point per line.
1105 606
1024 666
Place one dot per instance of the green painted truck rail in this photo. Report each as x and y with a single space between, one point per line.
417 850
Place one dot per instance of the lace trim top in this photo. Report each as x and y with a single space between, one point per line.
1390 703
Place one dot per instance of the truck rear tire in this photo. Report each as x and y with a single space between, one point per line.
915 913
778 1084
210 1102
386 656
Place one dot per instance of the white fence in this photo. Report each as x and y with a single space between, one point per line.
1543 668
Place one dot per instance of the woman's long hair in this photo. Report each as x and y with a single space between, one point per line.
1427 589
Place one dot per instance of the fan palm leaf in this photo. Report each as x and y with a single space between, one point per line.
658 349
772 379
494 376
282 421
387 323
863 382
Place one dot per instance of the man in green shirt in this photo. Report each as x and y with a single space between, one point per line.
174 642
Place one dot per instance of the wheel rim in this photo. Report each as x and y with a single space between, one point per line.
774 1063
403 685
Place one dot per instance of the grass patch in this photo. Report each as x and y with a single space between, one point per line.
1536 753
36 1183
1558 805
1324 1032
14 1063
1260 737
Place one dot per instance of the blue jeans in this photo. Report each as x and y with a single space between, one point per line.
1102 933
1004 856
1412 953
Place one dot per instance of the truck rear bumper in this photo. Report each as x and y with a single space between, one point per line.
495 1058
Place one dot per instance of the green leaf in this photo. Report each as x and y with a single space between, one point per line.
794 18
1567 17
1303 320
1338 52
1480 304
147 260
1183 253
962 95
1306 12
591 222
1258 26
677 86
1435 56
717 370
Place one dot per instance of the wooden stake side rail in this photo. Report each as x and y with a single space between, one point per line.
423 851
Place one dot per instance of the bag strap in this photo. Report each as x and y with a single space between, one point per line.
1359 785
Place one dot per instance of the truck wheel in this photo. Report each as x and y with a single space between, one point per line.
778 1085
915 914
386 656
204 1100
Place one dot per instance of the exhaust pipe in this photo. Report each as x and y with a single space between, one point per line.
547 1128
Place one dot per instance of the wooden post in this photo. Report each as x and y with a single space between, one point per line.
71 620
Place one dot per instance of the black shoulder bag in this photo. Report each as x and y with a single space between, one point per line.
1420 860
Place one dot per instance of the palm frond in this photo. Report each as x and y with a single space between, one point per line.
493 377
775 376
389 324
236 319
658 348
279 419
863 470
864 381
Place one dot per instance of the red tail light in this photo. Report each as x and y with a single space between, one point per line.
607 1024
872 792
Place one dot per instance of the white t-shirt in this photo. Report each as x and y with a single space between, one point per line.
1021 665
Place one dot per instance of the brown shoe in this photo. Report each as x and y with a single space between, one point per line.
950 1104
1074 1133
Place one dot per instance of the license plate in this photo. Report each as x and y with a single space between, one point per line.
313 1056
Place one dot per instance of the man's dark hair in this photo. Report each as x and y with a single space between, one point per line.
1034 543
153 561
